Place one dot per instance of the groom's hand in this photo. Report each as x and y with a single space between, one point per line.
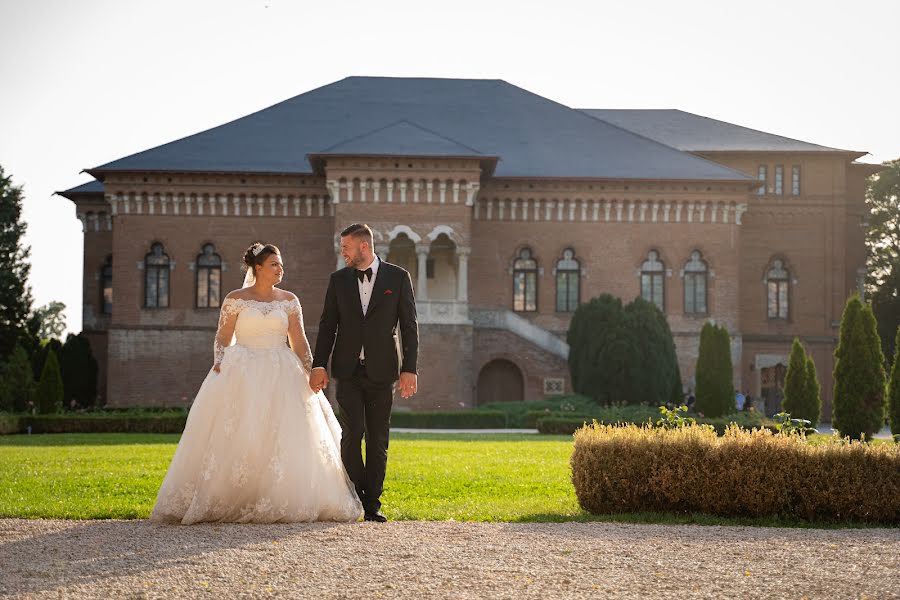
408 384
318 379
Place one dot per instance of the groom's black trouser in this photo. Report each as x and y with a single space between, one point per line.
365 409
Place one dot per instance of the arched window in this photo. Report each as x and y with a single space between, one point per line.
209 278
777 287
156 277
695 277
525 282
106 291
568 282
653 276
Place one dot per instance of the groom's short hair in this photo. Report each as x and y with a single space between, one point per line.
360 231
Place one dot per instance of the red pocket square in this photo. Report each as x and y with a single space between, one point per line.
388 292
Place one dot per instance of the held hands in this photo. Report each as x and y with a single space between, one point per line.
318 379
408 384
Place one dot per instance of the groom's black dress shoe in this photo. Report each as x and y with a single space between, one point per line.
375 516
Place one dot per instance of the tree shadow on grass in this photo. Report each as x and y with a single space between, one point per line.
89 552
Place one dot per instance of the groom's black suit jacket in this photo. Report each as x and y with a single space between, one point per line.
344 328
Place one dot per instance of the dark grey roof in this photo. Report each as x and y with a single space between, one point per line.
695 133
401 139
91 187
531 135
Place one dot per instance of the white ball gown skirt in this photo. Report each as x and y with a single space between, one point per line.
259 446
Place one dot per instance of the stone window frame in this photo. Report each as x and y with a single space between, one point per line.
648 269
784 282
571 266
519 268
106 275
762 174
162 267
795 180
207 269
695 259
779 180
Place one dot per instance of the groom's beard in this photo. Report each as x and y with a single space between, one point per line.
355 261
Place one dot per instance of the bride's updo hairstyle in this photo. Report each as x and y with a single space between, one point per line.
257 254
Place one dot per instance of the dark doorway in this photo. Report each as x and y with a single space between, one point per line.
500 381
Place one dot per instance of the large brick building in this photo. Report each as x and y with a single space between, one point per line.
507 209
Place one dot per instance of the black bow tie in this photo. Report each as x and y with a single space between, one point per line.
366 273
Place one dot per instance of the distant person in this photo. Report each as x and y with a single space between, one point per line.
739 400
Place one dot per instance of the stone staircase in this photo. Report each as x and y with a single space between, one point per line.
510 321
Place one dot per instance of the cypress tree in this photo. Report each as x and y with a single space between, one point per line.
595 333
894 388
859 377
79 371
795 386
812 397
16 382
726 371
49 392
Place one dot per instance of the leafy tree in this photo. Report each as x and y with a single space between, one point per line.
79 371
653 365
52 320
622 353
894 388
859 378
883 251
715 378
15 294
16 382
49 392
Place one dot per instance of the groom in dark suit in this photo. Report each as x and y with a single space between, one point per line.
363 306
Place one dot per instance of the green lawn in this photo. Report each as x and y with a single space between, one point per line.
463 477
430 477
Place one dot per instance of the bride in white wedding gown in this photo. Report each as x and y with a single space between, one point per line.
259 445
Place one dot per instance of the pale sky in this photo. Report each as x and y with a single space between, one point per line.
83 83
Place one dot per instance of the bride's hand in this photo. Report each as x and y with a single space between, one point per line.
217 368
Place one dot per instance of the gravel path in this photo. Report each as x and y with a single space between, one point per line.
137 559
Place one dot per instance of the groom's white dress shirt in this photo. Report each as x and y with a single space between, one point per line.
365 293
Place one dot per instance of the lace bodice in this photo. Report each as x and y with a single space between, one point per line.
258 324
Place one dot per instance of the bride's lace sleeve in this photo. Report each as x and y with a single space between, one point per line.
297 335
225 333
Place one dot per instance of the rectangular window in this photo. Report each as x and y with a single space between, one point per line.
762 175
779 180
567 291
525 291
652 289
778 299
795 180
695 293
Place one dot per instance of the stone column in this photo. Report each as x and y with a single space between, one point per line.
462 276
416 187
377 188
455 192
335 189
429 188
422 280
390 192
443 188
402 192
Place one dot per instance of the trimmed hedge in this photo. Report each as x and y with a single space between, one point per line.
630 469
562 424
171 423
9 423
457 419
